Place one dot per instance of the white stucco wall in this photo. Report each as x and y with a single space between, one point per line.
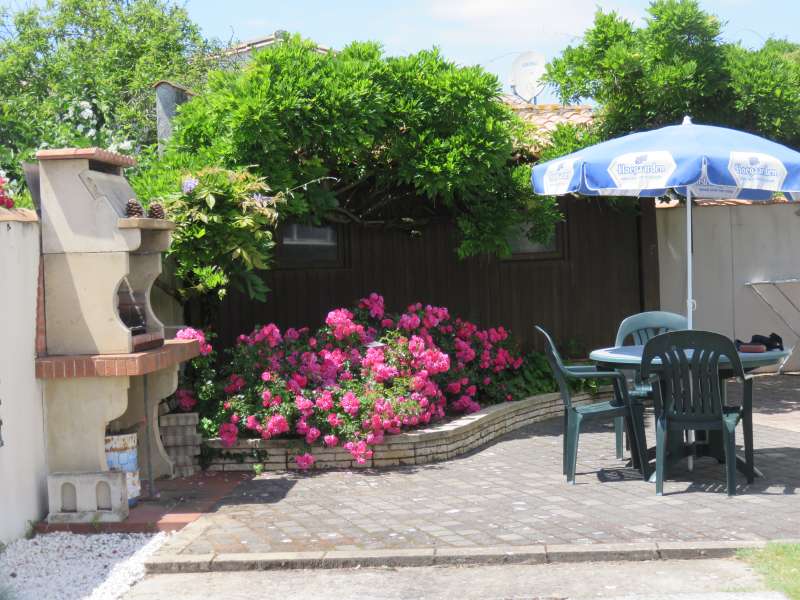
23 473
734 245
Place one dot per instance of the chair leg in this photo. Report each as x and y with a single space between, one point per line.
640 439
729 439
565 450
619 426
661 454
747 426
574 434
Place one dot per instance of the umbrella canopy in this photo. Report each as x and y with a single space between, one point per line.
694 161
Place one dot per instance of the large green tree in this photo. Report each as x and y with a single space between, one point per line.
677 64
392 139
80 72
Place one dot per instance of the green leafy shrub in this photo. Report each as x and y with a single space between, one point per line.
385 139
225 220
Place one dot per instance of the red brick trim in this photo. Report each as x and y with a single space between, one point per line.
171 353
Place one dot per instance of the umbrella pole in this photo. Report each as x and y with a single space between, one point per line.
689 299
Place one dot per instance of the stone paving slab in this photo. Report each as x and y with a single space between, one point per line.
512 493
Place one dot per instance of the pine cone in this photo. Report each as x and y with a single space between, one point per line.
133 208
156 211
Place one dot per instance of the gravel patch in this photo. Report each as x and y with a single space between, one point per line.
67 566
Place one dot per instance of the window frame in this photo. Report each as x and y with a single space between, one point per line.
284 263
558 253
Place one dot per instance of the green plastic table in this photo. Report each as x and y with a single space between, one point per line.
630 358
709 443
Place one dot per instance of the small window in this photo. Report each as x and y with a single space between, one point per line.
522 248
309 246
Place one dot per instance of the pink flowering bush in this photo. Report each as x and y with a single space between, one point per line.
363 375
186 399
6 201
195 334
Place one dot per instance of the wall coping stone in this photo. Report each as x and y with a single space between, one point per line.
20 215
94 153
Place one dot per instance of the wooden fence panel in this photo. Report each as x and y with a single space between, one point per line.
580 297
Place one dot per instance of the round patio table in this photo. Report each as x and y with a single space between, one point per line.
630 358
708 443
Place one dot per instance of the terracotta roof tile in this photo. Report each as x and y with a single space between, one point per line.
545 117
776 199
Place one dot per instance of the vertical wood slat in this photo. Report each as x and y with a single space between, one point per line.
608 272
648 255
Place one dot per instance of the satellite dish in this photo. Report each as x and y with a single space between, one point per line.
526 76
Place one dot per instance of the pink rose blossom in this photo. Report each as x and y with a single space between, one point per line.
304 461
312 435
186 400
374 304
228 433
350 403
276 425
188 333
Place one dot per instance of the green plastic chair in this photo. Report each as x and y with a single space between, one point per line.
618 409
690 395
641 328
638 329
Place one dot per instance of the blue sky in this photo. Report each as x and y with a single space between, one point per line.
486 32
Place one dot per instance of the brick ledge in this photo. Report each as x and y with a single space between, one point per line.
442 441
117 365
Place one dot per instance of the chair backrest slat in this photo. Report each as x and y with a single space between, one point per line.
688 366
644 326
557 365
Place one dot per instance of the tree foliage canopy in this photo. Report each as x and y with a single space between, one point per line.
380 138
80 72
677 64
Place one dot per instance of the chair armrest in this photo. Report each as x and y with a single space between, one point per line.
597 375
581 368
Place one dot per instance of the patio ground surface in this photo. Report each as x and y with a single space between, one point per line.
512 493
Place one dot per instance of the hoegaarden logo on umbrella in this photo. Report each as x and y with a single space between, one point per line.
756 171
558 176
642 170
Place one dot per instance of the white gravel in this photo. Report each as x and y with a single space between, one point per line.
67 566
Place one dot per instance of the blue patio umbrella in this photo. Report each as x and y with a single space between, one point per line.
693 161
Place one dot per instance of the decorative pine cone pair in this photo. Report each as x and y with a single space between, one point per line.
134 209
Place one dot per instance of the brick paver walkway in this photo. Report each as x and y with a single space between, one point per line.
512 493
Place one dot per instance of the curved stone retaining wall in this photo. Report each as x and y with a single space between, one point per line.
420 446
